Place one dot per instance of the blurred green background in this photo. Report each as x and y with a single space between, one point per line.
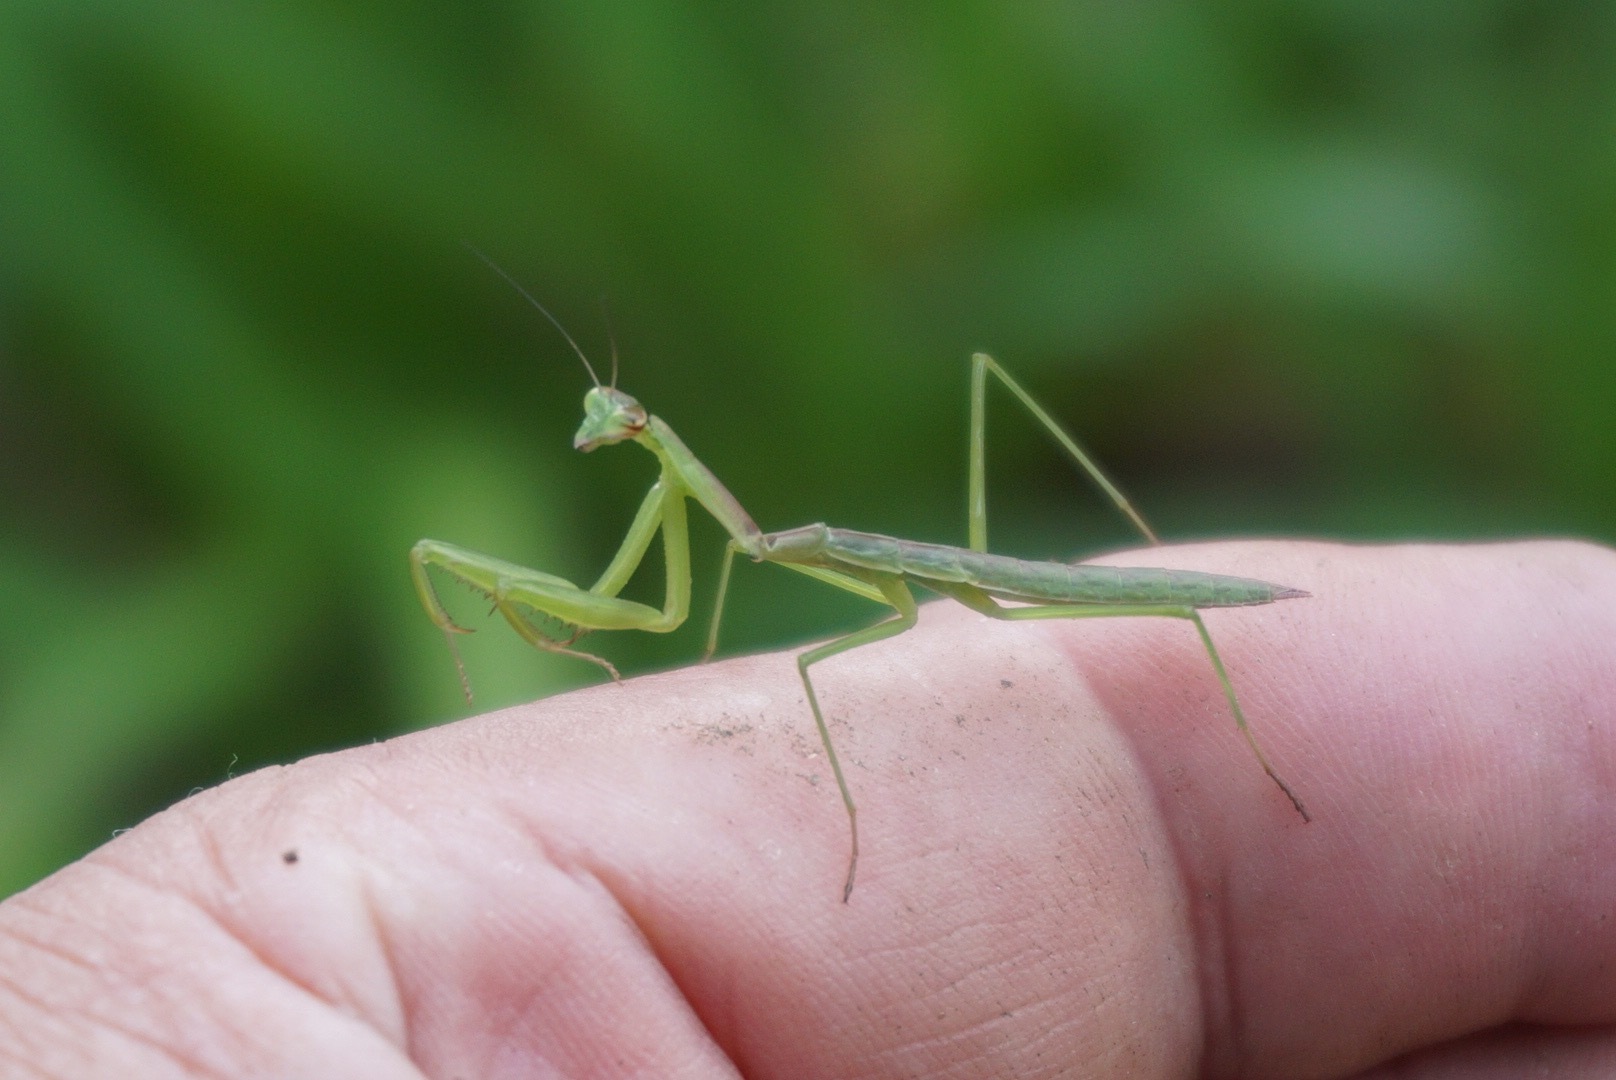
1342 269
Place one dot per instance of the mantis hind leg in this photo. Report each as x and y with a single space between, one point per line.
976 511
977 600
896 593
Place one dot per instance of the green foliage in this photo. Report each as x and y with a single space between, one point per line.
1334 269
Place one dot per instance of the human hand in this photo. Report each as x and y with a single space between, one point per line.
1071 864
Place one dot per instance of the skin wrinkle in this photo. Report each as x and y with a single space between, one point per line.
1219 1005
590 881
18 991
143 883
1535 981
657 953
10 930
1211 918
639 909
218 914
35 1072
596 883
379 794
196 907
602 879
1224 1050
385 949
94 1020
1207 923
956 988
201 824
605 879
269 960
935 1047
1101 790
1515 1051
201 905
208 843
966 1035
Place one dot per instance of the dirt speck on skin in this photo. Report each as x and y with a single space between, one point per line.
712 734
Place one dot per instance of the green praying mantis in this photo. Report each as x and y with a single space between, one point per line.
879 568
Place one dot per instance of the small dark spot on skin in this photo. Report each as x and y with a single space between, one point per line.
1006 683
711 733
289 856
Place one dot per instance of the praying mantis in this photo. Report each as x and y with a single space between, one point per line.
879 568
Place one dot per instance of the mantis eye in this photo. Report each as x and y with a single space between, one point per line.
633 418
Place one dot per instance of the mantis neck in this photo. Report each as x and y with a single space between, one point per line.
700 484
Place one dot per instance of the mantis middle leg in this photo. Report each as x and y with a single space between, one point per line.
818 573
894 592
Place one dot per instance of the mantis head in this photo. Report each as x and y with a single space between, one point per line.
610 416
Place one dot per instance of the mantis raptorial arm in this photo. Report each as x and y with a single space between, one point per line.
651 515
513 588
977 499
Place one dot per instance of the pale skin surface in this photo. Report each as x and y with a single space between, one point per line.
1072 865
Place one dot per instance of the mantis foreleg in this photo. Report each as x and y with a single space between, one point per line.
513 588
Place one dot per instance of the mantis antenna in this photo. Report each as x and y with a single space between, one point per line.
555 322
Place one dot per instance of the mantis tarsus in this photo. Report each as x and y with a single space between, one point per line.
878 568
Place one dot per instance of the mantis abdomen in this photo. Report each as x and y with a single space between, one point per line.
1021 579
